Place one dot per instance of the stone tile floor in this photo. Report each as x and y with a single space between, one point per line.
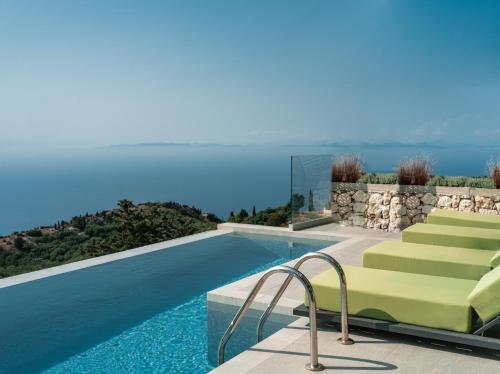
287 351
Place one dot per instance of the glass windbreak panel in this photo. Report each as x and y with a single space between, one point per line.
310 187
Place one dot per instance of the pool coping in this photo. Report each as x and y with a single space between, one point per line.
282 231
83 264
232 293
222 229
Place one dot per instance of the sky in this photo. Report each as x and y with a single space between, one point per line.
93 73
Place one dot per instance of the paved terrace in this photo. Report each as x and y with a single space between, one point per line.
287 351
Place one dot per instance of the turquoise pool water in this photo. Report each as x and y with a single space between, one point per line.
145 314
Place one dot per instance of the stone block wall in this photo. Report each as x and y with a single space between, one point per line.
394 207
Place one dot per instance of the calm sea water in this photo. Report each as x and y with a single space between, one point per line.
40 189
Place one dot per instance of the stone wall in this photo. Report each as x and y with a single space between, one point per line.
394 207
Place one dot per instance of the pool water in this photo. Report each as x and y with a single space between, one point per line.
146 313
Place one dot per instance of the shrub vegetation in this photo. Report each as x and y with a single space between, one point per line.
105 232
447 181
437 180
379 178
279 216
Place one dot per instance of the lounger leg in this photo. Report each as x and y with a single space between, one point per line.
487 325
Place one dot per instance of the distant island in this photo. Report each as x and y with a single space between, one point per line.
90 235
353 144
170 144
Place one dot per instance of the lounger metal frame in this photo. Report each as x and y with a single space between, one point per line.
476 339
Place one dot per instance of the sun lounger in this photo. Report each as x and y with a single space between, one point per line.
424 300
453 236
454 218
445 261
448 309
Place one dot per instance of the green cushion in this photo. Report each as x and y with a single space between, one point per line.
454 218
454 262
495 260
452 236
485 298
417 299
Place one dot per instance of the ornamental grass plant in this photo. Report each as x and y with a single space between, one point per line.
415 172
347 169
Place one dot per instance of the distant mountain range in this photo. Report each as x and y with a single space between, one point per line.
172 144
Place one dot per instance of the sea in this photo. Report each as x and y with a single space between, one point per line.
42 187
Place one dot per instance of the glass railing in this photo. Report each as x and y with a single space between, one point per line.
310 193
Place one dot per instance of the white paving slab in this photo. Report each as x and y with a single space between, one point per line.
287 351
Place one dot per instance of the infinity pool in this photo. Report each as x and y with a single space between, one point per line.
146 313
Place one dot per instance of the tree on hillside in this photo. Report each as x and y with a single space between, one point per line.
254 212
79 222
19 242
297 202
242 215
310 201
127 222
124 205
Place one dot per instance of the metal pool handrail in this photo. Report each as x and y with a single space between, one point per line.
344 338
314 365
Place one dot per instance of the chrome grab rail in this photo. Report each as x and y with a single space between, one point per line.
314 365
344 338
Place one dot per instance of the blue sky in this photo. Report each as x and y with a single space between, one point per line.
86 73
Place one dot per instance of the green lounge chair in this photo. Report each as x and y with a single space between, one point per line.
454 218
453 236
444 261
447 309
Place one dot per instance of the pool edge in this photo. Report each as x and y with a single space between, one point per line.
83 264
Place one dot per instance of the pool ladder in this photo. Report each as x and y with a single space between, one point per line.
293 272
